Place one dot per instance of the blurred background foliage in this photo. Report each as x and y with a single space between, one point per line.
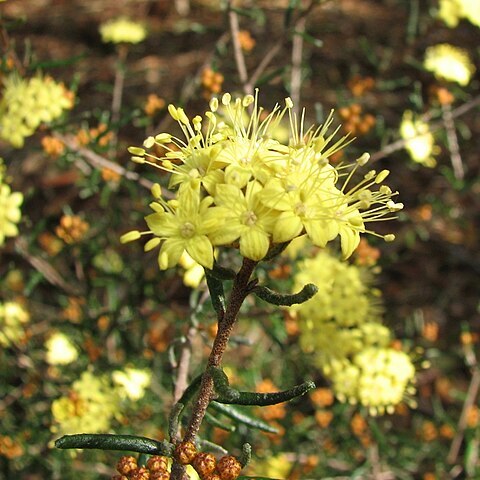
91 333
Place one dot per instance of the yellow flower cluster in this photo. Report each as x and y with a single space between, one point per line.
10 213
376 378
452 11
28 103
343 317
340 326
122 30
420 142
60 350
90 407
133 381
13 317
450 63
238 186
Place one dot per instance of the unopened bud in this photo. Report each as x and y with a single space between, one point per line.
136 151
363 159
149 142
130 236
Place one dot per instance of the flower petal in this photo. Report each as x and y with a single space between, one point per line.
254 244
201 250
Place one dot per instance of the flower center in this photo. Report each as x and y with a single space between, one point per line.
187 230
249 218
300 209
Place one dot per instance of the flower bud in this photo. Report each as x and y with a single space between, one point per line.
130 237
185 451
229 467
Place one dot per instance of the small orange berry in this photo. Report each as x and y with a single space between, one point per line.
229 467
212 476
204 463
126 465
160 476
141 473
156 463
185 452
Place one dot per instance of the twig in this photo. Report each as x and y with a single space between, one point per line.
120 67
434 126
296 76
41 265
100 162
225 327
452 141
462 422
272 53
237 49
183 7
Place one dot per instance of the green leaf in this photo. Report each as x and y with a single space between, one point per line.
241 417
275 298
217 294
128 443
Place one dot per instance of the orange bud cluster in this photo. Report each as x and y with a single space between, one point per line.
155 469
71 228
359 85
354 121
96 135
153 104
53 147
247 42
211 82
206 465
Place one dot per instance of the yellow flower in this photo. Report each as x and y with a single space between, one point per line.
28 103
185 226
265 192
90 407
13 317
377 378
452 11
278 466
133 381
60 350
10 213
194 272
420 141
450 63
122 30
248 220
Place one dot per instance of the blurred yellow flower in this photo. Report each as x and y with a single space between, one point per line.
60 350
194 272
27 103
452 11
278 466
122 30
376 378
133 381
420 141
13 317
10 213
90 407
450 63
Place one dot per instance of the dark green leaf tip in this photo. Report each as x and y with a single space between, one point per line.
127 443
286 300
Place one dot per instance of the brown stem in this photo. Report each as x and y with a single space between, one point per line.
225 327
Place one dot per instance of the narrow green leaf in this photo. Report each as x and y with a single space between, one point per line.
241 417
128 443
275 298
217 294
231 396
